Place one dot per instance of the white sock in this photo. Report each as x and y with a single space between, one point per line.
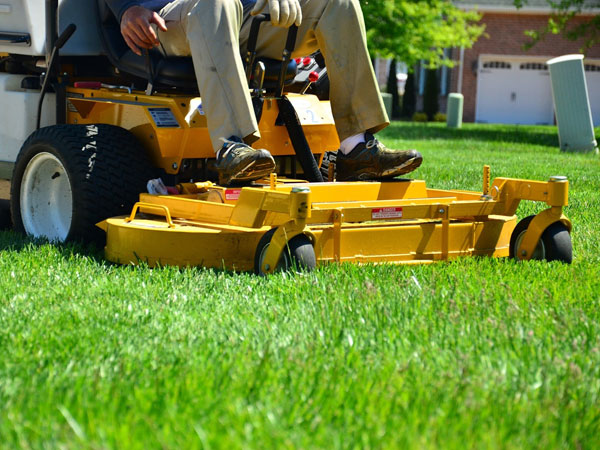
348 144
223 150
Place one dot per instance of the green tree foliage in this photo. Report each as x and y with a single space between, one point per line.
418 30
561 22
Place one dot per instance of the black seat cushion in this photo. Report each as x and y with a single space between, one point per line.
172 71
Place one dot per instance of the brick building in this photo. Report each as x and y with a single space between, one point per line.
500 80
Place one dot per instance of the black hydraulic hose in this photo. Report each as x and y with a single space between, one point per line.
299 142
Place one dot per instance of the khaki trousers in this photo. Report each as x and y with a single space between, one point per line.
214 31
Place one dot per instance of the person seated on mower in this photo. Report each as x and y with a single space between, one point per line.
214 31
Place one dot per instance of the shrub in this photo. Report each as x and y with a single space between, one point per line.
419 117
439 117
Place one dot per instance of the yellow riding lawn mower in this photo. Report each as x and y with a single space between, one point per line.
86 125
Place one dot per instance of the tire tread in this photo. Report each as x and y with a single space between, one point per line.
119 172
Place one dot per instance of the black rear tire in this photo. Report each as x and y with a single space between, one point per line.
299 254
102 168
554 245
5 221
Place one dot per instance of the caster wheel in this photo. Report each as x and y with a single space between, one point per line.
554 245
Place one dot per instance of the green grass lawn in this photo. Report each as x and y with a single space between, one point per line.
471 353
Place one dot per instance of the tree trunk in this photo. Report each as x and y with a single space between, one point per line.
409 100
392 88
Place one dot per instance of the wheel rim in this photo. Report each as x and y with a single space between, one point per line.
46 198
538 253
282 264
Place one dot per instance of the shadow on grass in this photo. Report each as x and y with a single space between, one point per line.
523 134
12 241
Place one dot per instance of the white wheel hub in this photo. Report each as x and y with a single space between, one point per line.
540 249
46 198
283 263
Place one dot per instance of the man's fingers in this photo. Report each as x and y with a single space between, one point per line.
274 11
137 38
137 28
159 21
132 46
260 5
149 36
299 17
138 35
145 31
294 11
284 13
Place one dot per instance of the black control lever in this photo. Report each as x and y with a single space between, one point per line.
290 44
65 36
252 40
60 42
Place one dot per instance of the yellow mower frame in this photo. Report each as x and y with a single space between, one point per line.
173 127
399 221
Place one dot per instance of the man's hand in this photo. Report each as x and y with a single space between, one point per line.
284 13
136 28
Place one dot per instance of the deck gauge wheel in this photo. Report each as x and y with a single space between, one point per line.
554 245
298 254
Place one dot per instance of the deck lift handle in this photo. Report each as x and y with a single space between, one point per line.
53 45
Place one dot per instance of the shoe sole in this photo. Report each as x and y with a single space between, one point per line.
408 166
253 171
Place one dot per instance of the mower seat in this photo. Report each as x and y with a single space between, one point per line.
166 71
177 71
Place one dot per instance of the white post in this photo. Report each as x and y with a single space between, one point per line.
571 104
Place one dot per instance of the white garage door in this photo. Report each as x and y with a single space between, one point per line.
513 91
592 78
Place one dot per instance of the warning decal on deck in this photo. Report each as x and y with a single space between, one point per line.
386 213
163 117
232 194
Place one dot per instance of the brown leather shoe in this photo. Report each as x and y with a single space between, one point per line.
371 160
240 163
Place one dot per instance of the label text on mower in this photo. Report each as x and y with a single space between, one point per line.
163 117
232 194
386 213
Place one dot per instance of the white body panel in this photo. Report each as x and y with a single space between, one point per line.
29 16
18 113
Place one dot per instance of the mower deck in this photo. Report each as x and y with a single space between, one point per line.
400 221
